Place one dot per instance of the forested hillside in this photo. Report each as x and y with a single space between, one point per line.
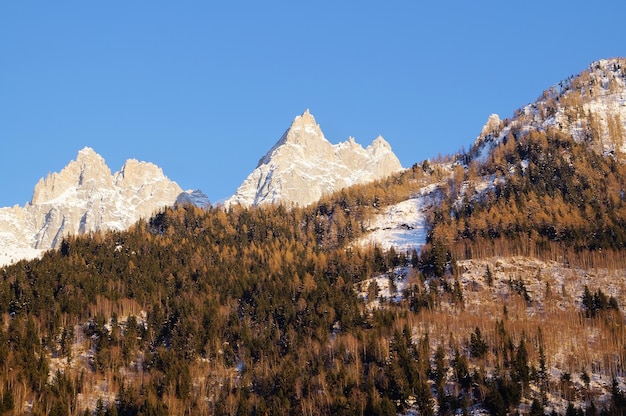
514 304
257 311
195 311
549 196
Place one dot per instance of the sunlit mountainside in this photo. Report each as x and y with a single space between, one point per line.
486 282
86 197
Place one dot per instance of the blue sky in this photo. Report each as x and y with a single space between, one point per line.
204 89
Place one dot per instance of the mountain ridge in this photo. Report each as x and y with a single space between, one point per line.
547 137
303 166
85 197
591 106
500 290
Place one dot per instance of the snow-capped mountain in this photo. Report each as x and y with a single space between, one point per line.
85 197
590 106
302 166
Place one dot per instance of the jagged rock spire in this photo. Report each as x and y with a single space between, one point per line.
303 165
84 197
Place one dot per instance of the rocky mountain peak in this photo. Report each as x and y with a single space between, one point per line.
85 197
88 170
304 132
302 166
194 197
87 153
306 118
138 173
380 145
491 126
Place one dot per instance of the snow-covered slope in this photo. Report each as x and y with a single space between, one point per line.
194 197
403 225
302 166
85 197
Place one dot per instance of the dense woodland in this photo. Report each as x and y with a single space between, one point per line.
550 196
256 310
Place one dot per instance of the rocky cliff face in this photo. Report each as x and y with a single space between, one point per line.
85 197
302 166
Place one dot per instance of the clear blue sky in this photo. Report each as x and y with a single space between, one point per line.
203 89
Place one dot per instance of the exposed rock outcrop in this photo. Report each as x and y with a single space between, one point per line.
302 166
85 197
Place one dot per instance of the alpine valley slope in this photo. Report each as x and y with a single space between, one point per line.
85 197
303 166
590 106
488 332
580 123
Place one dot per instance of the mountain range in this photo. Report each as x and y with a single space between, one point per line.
299 169
85 197
334 281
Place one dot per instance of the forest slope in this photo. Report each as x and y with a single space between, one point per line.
514 304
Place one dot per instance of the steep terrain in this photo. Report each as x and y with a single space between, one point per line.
302 166
591 107
519 163
490 282
85 197
532 216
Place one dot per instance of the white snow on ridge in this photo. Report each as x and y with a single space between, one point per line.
194 197
599 94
